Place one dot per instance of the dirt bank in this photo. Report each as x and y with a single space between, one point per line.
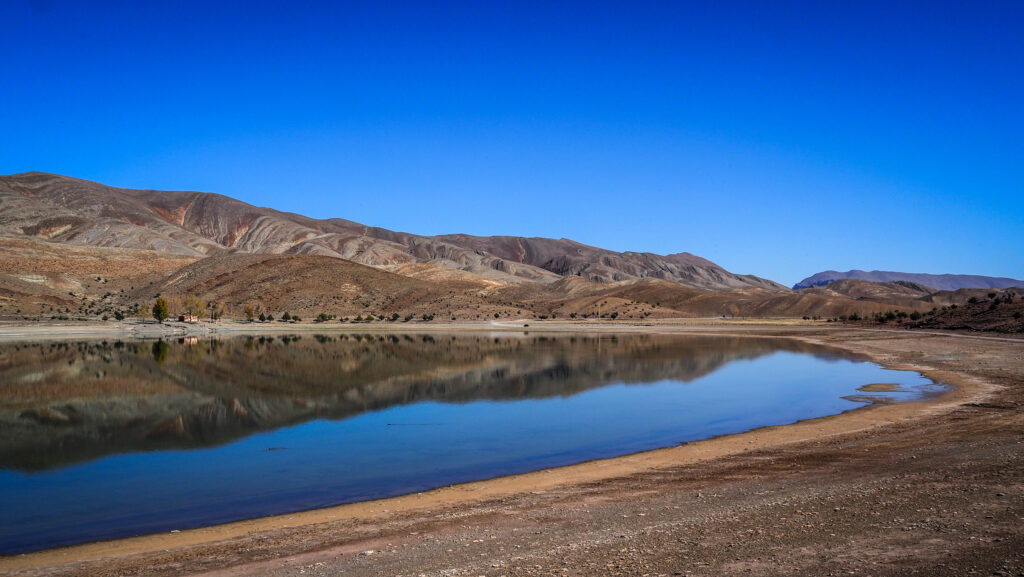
929 488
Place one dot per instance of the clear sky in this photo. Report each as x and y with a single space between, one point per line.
775 138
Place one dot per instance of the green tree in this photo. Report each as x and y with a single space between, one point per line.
160 310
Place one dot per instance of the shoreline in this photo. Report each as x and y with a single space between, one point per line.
50 330
963 388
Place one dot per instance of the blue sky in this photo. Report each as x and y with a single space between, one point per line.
775 138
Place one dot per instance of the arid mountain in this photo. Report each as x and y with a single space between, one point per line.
79 212
566 257
897 293
76 250
937 282
656 298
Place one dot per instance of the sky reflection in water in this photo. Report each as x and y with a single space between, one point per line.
102 440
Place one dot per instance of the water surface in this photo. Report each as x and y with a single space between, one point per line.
101 440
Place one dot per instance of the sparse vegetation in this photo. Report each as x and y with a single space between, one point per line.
194 306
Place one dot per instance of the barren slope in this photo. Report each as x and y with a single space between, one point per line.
70 210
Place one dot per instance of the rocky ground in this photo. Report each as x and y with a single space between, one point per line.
938 493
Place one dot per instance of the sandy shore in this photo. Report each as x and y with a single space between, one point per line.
882 490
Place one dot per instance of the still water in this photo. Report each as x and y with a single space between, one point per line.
100 440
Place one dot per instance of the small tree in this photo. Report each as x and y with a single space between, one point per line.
194 306
250 312
160 310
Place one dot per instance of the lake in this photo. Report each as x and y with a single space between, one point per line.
100 440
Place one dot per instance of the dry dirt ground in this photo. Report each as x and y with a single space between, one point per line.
930 489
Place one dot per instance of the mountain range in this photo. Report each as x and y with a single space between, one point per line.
939 282
80 212
79 249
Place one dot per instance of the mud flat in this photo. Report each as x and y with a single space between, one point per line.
932 487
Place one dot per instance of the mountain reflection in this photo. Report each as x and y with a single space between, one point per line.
62 403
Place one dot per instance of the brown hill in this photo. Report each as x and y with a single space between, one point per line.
308 285
567 258
38 276
79 212
903 294
996 310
